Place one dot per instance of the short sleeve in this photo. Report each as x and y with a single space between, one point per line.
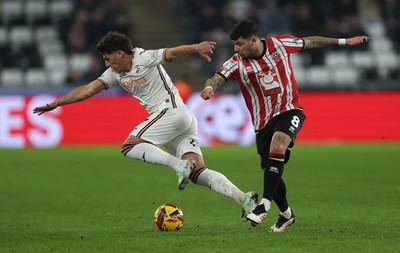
152 57
229 68
108 78
292 44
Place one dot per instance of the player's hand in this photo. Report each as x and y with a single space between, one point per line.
356 40
205 49
42 109
207 93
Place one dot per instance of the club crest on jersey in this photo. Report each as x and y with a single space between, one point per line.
137 70
276 56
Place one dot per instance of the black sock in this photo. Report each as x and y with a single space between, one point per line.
280 196
273 174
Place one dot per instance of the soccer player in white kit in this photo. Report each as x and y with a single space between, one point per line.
170 124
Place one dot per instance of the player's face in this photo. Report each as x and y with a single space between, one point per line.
246 48
116 61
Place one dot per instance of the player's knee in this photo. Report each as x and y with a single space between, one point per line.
280 143
126 147
278 149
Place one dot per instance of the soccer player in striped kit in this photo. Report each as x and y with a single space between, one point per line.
263 69
170 124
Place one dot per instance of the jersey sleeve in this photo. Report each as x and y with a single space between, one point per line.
152 57
292 44
108 78
229 68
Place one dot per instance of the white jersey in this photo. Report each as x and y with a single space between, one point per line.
147 81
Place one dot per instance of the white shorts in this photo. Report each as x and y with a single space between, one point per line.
173 128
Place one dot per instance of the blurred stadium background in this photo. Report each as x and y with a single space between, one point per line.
47 47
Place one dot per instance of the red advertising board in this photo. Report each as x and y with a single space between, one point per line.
331 117
351 116
99 120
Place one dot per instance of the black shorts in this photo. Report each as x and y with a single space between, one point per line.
289 122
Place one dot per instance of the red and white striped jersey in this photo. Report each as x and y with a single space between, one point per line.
267 83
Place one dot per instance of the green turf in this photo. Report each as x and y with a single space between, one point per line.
346 199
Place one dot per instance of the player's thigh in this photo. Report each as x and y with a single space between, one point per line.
186 146
282 127
287 126
160 128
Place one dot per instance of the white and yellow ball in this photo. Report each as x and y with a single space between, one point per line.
168 217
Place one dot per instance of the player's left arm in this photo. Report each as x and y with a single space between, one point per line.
315 42
211 85
205 49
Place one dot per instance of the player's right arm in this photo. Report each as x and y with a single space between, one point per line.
211 85
205 49
76 95
315 42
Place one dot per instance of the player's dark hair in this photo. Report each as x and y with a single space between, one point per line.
114 41
245 29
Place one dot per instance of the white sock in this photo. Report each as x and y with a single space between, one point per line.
152 154
266 203
219 183
287 213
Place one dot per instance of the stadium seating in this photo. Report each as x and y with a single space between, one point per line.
342 67
12 77
35 39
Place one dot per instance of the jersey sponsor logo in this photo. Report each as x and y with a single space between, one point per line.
269 83
129 84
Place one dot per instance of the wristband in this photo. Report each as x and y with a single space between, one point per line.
341 42
209 87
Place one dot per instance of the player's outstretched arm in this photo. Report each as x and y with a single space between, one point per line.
205 49
211 85
78 94
315 42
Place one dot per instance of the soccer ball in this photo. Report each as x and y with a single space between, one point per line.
168 217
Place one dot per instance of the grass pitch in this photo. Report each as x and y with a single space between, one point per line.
346 199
